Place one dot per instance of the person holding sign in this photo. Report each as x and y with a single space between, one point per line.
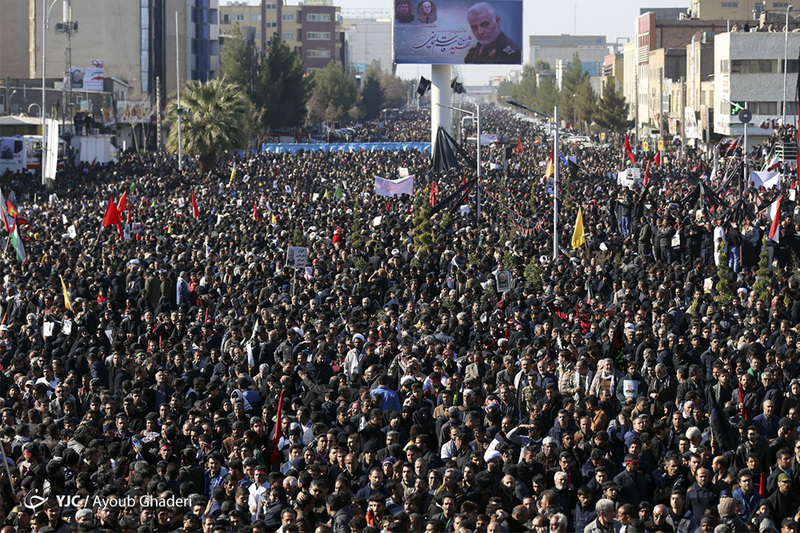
493 46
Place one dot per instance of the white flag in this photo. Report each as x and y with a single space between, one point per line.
768 180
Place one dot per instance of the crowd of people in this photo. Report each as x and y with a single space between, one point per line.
176 374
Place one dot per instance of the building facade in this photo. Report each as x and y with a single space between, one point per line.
749 73
369 43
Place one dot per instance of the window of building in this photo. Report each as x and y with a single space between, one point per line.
318 36
792 65
288 17
238 18
288 36
226 18
318 17
271 6
780 5
319 53
763 108
754 66
730 5
255 18
271 24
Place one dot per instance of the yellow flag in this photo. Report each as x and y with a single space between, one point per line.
233 173
273 220
66 294
326 195
578 237
549 171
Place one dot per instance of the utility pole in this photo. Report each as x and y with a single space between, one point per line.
68 27
158 113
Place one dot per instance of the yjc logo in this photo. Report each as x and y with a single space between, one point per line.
33 501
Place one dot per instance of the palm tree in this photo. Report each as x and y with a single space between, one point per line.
217 117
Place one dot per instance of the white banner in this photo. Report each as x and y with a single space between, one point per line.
384 187
768 180
51 148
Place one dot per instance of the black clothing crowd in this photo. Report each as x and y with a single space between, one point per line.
184 378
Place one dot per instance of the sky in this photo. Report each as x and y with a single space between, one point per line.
613 19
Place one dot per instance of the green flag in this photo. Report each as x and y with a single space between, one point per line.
16 240
338 194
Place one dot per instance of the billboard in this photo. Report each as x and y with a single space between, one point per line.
133 111
457 32
86 79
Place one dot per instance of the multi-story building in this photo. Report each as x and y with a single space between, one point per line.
558 51
311 28
134 40
744 10
749 73
247 17
368 41
653 33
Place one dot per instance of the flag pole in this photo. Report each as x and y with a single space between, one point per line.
555 186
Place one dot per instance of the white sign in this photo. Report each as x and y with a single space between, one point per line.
384 187
296 257
630 178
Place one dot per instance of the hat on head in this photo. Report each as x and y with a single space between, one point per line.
784 477
492 455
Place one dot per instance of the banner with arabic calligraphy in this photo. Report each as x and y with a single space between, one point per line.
454 32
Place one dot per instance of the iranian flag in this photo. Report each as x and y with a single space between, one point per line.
16 240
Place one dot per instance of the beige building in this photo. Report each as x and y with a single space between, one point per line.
134 40
734 9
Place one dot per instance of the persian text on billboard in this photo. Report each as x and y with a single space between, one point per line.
455 32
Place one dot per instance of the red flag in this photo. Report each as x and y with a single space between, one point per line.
94 162
255 212
388 207
276 453
434 192
112 215
762 485
743 411
519 145
123 202
628 150
129 214
195 209
647 174
657 159
13 213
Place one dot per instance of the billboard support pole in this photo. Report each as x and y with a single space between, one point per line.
440 97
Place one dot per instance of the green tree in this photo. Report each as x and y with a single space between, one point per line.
423 229
762 284
282 87
546 96
571 83
217 117
372 96
612 111
585 102
357 239
723 286
395 91
333 95
237 61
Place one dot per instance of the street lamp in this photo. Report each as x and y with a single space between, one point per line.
553 120
477 116
785 59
